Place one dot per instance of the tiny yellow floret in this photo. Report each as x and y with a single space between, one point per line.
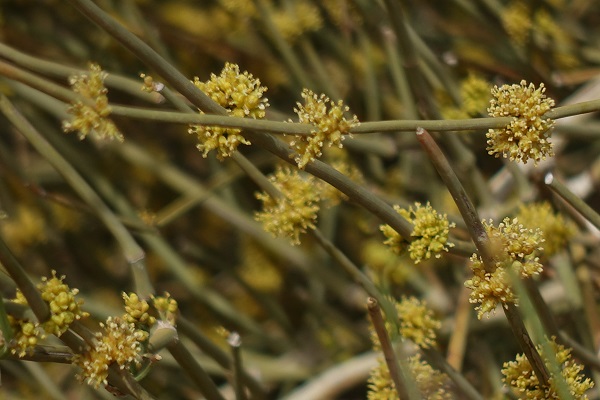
331 125
432 384
91 114
417 322
520 377
556 229
167 307
242 96
429 235
136 310
295 211
64 307
516 247
527 136
119 343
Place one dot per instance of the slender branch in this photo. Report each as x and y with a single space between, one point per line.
195 371
561 190
462 384
7 260
484 248
46 353
235 342
398 375
222 358
460 196
54 69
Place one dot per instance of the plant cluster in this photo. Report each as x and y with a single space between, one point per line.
276 226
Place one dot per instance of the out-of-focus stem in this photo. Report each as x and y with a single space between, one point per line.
58 70
577 203
437 361
406 47
235 342
398 73
356 274
195 371
17 273
287 53
132 251
458 338
224 359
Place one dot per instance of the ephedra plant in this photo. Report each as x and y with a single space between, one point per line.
296 199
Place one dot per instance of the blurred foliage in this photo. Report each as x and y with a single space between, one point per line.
297 310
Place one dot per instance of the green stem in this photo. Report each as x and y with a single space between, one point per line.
44 85
223 120
344 184
398 73
195 371
532 316
460 196
561 190
372 96
6 331
403 382
356 274
406 46
150 57
573 109
132 251
436 360
46 353
222 358
256 175
235 342
17 273
53 69
288 55
484 248
316 63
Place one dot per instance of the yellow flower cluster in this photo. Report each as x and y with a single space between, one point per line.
150 85
343 13
527 136
519 375
167 308
258 270
384 263
64 308
296 210
27 336
516 19
417 322
300 17
329 121
242 96
120 343
91 115
24 228
515 247
245 8
430 233
136 311
556 229
474 94
432 384
525 25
